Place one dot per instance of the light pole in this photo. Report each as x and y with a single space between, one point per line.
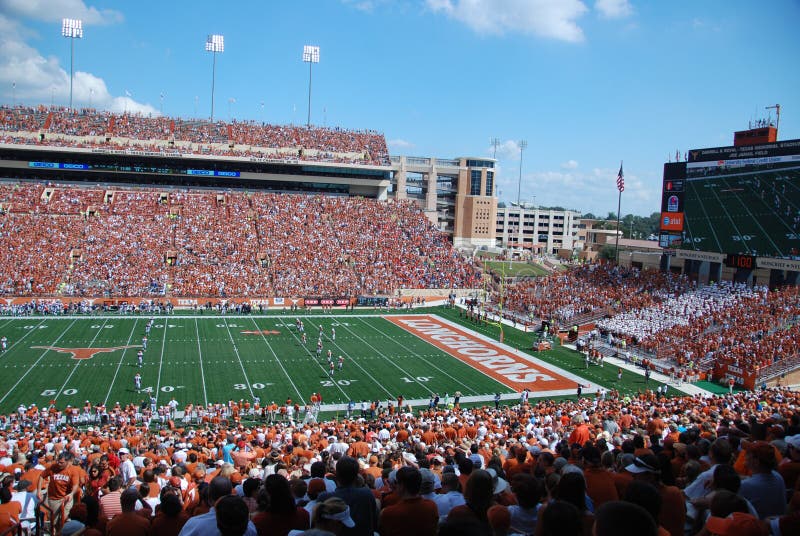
522 146
72 29
161 105
495 143
91 96
214 43
310 56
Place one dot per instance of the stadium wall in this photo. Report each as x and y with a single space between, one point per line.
406 296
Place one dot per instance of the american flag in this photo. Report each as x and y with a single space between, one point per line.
620 179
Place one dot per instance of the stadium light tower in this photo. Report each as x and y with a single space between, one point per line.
310 56
72 29
215 43
522 146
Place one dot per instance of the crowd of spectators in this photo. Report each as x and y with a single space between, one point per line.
607 465
592 288
102 129
73 241
669 317
643 325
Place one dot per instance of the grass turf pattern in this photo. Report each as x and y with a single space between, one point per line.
204 359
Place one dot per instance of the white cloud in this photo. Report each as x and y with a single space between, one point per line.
552 19
593 191
55 10
39 79
569 164
399 144
614 9
507 150
364 5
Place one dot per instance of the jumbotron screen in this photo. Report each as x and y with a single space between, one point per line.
734 200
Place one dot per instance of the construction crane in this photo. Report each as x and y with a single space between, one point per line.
777 108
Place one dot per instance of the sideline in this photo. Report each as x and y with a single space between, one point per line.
657 377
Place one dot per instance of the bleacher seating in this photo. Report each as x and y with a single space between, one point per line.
101 129
151 242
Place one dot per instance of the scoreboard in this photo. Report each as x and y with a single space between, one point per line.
743 202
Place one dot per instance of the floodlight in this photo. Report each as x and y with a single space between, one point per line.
214 43
310 56
72 29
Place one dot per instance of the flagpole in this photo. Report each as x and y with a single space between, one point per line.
620 187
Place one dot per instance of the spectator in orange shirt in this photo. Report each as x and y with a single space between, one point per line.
599 482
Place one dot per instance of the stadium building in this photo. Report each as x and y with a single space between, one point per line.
539 230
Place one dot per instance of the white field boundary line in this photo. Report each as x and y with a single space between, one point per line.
21 338
388 360
423 402
421 358
36 362
241 365
353 360
200 355
522 355
280 364
78 364
161 362
119 365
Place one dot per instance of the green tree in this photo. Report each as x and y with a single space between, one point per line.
608 252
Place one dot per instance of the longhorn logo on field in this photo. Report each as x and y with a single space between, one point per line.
261 332
85 353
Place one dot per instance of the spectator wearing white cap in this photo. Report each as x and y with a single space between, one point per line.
126 468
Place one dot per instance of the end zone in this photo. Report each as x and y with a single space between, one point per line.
507 365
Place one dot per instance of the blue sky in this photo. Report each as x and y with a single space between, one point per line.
585 83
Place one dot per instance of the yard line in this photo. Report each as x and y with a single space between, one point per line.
161 360
420 356
26 334
121 359
284 324
78 364
9 321
200 353
37 361
236 351
355 361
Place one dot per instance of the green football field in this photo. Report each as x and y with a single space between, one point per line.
202 359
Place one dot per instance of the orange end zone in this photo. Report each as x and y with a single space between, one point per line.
500 363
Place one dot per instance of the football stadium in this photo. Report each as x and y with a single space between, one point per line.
244 328
228 284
